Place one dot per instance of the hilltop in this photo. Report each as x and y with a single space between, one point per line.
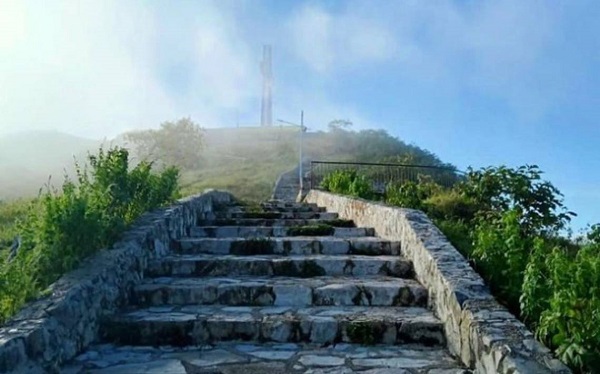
245 161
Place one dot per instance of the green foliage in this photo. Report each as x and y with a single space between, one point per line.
175 143
411 194
11 212
537 202
501 253
570 320
63 227
507 221
348 182
450 204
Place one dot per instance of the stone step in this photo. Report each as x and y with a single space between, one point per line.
280 209
276 231
277 215
270 358
288 246
274 222
270 265
281 291
194 324
286 204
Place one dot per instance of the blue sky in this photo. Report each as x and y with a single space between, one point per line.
476 82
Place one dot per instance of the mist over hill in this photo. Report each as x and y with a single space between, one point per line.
245 161
28 159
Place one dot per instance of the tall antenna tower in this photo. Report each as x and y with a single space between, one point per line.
266 114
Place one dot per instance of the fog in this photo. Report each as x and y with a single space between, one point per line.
472 82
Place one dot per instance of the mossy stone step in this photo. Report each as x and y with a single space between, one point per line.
281 291
275 231
274 222
277 215
193 324
287 204
288 246
272 265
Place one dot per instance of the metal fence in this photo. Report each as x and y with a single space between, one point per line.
383 174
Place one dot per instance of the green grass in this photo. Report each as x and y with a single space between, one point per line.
10 213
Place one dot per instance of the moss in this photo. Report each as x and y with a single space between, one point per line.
404 297
311 230
339 222
365 250
285 268
263 215
252 247
349 266
365 332
358 298
311 269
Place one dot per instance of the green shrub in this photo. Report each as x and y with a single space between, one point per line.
65 226
450 205
348 182
570 320
411 194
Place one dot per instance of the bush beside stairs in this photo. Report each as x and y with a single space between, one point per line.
287 288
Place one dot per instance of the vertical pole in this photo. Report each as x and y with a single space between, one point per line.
300 174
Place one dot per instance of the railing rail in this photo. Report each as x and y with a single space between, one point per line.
383 173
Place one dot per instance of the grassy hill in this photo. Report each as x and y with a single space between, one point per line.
245 161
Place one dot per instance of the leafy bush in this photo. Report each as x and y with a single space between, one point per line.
411 194
568 303
537 202
451 205
348 182
65 226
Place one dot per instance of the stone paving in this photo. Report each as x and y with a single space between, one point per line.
240 295
248 358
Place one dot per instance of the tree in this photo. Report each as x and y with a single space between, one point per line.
174 144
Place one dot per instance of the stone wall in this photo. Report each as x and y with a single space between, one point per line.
482 333
54 329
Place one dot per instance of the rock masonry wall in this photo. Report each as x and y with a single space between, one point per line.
480 331
54 329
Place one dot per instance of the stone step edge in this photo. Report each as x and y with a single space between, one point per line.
280 291
273 231
192 325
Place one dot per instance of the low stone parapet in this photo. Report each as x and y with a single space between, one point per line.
54 329
481 332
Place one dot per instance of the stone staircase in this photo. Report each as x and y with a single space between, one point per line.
288 288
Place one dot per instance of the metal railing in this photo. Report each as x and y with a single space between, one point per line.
383 174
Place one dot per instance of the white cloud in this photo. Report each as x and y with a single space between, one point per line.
326 41
92 68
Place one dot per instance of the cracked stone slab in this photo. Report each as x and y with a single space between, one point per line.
267 265
299 245
199 324
249 358
281 291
